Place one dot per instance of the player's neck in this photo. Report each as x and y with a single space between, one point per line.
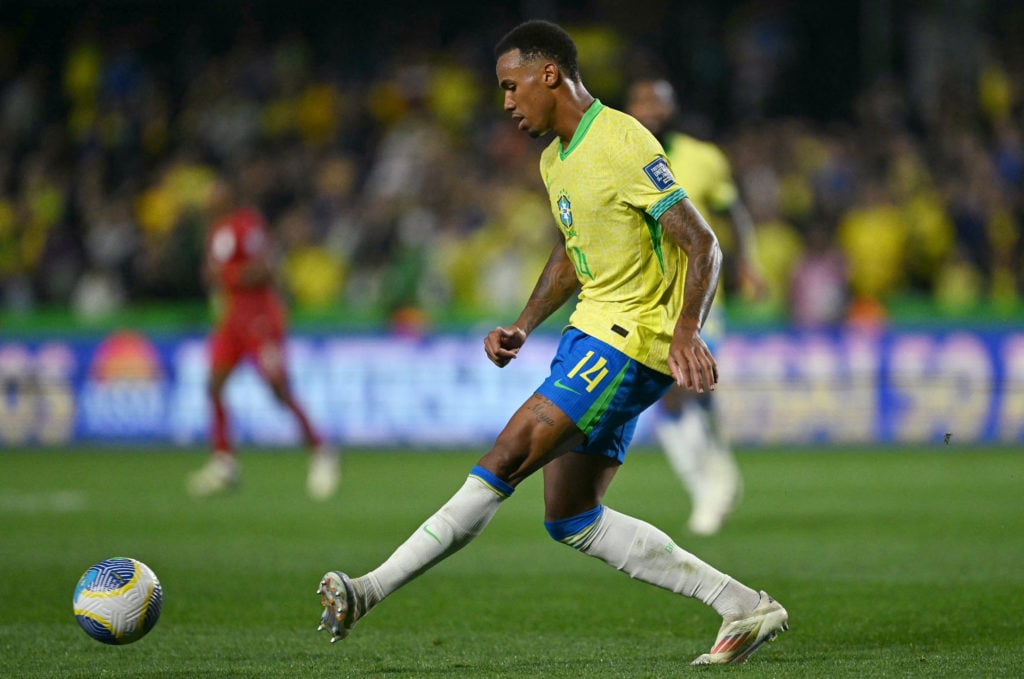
573 107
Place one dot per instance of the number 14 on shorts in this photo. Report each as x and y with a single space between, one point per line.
592 374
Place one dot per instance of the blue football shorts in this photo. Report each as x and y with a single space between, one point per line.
602 390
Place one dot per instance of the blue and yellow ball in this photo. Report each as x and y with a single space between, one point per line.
117 601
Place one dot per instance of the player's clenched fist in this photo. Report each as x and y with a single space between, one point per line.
502 344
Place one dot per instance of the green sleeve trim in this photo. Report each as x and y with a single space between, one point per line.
662 206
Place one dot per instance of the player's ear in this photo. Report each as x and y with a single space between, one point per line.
551 75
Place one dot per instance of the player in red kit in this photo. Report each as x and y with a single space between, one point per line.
251 325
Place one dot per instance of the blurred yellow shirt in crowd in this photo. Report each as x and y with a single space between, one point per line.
873 238
313 276
779 248
930 233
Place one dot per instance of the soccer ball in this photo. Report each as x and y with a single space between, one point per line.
117 601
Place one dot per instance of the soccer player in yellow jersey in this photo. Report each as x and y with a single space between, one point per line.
645 265
690 433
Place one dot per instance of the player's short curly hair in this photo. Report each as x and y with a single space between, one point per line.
538 38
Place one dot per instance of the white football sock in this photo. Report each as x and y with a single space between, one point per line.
645 553
718 443
450 529
686 442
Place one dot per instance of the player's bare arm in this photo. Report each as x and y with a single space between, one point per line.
556 284
691 363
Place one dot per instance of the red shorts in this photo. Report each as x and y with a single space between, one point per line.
258 336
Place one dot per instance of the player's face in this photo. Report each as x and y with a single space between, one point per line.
650 105
527 90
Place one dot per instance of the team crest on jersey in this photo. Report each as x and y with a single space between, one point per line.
564 209
660 175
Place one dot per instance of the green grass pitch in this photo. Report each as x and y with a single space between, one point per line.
892 563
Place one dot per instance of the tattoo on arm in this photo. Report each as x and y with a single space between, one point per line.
556 284
687 228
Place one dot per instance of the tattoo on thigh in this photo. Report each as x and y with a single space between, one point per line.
538 409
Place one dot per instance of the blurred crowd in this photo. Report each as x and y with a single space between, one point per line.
404 192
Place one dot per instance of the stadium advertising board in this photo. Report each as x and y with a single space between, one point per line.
777 388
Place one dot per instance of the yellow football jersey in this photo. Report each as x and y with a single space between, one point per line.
607 190
704 170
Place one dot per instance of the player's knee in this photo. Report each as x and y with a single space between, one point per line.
576 531
507 457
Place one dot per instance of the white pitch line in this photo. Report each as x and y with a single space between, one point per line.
46 502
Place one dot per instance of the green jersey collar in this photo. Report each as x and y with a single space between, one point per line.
581 129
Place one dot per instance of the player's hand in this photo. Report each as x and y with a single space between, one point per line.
502 344
691 362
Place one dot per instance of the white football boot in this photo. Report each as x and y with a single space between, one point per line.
220 474
740 636
324 473
338 598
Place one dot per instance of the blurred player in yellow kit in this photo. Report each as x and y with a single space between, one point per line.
690 432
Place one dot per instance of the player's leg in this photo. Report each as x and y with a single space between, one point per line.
576 483
265 341
536 433
544 427
221 472
574 487
271 366
682 438
697 451
722 483
324 473
695 445
220 436
720 476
